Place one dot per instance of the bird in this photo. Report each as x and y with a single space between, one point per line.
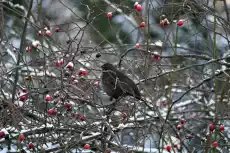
116 84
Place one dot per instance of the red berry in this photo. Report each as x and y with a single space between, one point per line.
29 49
124 116
21 137
156 57
86 146
62 61
57 29
58 63
48 98
166 22
70 66
2 134
162 23
55 102
142 24
79 73
52 112
81 117
189 137
180 22
109 15
221 127
168 148
22 98
215 144
137 45
108 150
179 127
82 72
175 145
211 127
139 7
68 106
182 121
135 5
31 145
24 90
96 83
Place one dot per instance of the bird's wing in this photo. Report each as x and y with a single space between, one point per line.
110 77
111 84
110 81
129 86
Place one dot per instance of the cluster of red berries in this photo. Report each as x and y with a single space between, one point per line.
50 111
59 62
212 128
23 94
164 21
45 32
181 125
70 67
169 148
42 32
22 138
34 44
155 56
82 72
54 111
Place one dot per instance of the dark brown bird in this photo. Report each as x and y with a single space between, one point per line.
116 84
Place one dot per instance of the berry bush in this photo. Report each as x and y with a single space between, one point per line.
52 98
